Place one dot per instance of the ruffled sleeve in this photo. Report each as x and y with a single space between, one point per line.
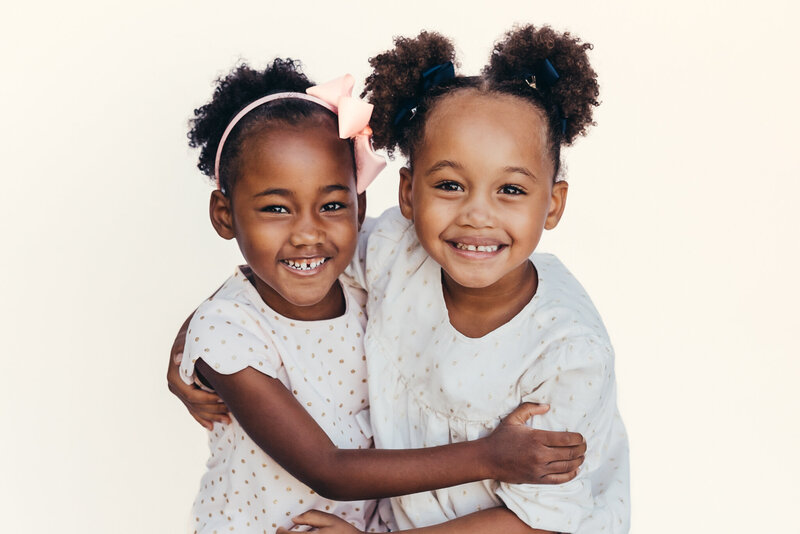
228 336
577 381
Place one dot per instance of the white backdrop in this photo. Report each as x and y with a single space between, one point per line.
680 223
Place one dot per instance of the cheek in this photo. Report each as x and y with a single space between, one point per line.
257 238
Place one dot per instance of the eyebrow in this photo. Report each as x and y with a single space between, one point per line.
274 191
443 164
334 187
288 193
447 164
521 170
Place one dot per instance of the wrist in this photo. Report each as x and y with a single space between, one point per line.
485 460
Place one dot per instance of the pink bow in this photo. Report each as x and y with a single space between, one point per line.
354 116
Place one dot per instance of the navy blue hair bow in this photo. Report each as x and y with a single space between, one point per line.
545 76
430 79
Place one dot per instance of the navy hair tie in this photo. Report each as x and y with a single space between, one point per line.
545 76
430 78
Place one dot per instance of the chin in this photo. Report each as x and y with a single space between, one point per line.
304 301
473 282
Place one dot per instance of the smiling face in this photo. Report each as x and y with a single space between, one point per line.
482 189
294 213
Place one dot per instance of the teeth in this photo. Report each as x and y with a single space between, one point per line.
479 248
305 265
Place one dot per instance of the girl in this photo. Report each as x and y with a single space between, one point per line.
281 340
470 322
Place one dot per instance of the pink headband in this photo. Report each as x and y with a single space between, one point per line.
353 116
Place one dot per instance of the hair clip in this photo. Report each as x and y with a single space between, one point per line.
430 78
544 75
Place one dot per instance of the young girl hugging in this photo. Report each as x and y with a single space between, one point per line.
281 341
465 321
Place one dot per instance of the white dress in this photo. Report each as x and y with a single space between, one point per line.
430 385
321 362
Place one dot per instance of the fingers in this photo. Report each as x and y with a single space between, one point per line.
316 519
191 394
561 439
223 418
525 411
564 466
553 455
559 478
195 395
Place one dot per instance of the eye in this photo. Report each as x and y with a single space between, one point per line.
448 185
509 189
274 209
333 206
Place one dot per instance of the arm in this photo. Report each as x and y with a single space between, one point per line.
577 379
206 408
494 520
274 419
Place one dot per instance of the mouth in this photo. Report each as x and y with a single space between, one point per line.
477 248
305 264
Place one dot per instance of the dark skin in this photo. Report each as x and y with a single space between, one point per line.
500 198
306 217
514 452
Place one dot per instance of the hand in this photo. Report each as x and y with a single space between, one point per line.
321 522
523 455
206 408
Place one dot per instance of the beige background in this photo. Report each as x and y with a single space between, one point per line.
681 223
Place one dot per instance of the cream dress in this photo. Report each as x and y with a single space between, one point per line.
430 385
321 362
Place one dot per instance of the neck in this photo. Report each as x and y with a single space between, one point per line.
477 311
331 306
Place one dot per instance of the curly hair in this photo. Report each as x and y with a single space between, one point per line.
235 91
566 104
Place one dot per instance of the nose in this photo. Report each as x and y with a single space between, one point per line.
477 211
307 231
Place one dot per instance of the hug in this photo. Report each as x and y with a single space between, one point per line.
426 370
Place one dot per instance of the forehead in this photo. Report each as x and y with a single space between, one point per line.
474 121
296 154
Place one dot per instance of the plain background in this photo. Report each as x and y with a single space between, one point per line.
681 222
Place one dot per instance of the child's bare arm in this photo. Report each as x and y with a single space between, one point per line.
274 419
493 520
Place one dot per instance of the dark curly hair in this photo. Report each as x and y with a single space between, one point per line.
567 104
235 91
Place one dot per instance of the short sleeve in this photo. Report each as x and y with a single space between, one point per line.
228 336
577 381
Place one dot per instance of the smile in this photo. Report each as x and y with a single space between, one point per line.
477 248
306 264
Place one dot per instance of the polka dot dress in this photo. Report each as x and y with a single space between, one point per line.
321 362
430 385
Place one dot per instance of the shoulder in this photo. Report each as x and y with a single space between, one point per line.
390 226
231 331
234 300
561 297
392 244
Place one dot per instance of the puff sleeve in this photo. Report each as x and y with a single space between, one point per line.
228 336
577 380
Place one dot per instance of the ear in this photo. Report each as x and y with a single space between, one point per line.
362 208
558 201
221 214
405 194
